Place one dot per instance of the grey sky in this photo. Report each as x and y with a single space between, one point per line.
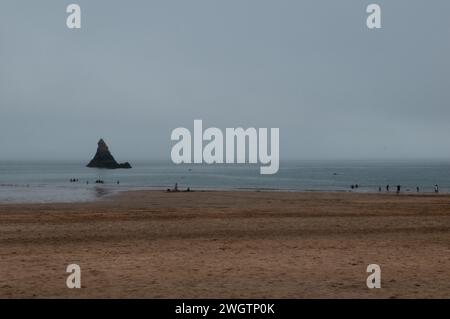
138 69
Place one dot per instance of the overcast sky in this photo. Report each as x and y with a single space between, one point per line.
138 69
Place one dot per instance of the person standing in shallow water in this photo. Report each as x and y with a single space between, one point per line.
387 188
436 188
398 189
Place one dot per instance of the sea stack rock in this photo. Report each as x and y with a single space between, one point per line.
104 159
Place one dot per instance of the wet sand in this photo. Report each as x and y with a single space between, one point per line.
151 244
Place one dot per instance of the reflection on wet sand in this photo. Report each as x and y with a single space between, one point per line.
101 191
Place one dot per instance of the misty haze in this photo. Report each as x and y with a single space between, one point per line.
134 72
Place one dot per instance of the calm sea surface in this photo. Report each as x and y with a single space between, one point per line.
45 181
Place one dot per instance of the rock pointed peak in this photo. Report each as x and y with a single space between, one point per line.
102 145
104 159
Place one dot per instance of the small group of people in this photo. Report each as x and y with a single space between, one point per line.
98 181
175 189
399 187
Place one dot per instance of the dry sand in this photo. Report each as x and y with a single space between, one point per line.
228 245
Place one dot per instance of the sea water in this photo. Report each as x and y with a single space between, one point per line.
49 181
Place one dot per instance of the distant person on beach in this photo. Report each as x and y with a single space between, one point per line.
436 188
379 189
418 189
176 187
118 182
387 188
398 189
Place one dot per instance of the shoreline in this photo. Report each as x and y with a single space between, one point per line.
72 182
105 192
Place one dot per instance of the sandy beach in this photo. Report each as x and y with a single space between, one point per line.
152 244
